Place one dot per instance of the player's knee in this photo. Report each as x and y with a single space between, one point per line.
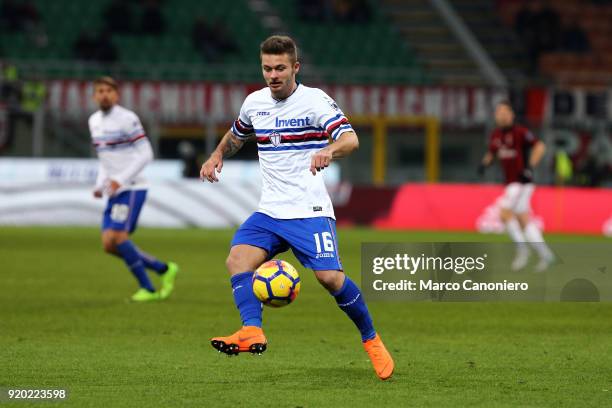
235 264
109 246
110 241
523 219
330 280
505 215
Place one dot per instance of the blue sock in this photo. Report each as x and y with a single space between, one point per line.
130 255
350 300
151 262
246 302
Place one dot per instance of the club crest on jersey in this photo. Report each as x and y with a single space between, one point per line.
275 139
332 103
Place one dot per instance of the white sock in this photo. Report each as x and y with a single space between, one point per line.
515 231
534 236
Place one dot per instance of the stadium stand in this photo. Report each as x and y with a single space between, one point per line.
500 41
138 51
442 54
357 37
580 51
173 52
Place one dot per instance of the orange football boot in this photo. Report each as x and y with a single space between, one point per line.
248 338
380 357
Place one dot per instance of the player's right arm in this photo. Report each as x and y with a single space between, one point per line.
101 179
228 146
486 161
488 157
233 140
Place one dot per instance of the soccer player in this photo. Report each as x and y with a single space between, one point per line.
519 151
124 150
292 124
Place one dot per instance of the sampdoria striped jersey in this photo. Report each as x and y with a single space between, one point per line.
288 133
122 147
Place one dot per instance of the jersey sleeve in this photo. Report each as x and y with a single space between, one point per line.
330 117
242 127
132 128
529 137
143 156
90 125
101 178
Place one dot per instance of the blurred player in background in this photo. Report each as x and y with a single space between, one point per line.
292 124
124 150
519 151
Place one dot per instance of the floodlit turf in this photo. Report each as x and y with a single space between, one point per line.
65 323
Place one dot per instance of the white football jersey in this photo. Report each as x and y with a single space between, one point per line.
288 133
122 147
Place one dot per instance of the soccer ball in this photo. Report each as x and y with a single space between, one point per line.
276 283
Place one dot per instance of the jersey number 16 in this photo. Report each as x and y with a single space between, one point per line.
328 242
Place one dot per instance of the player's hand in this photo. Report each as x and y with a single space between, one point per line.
113 186
320 160
526 176
213 165
97 193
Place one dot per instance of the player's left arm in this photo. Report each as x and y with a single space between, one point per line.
344 145
538 148
537 152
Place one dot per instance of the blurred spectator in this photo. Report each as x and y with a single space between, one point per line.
28 14
315 11
224 38
10 87
188 154
10 17
213 41
34 92
23 17
573 38
548 26
538 26
105 49
95 48
18 16
10 101
341 11
203 40
152 20
119 17
84 46
351 11
597 170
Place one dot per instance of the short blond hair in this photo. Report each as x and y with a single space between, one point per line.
106 80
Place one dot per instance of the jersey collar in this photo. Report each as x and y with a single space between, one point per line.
297 86
108 112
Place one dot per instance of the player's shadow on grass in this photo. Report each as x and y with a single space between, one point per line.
347 375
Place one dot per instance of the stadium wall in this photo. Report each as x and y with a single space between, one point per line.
191 101
59 192
475 207
195 101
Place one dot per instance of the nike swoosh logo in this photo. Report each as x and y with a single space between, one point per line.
245 338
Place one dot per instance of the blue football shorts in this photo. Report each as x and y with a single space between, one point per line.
123 209
312 240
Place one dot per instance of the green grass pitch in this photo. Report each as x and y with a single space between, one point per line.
65 323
